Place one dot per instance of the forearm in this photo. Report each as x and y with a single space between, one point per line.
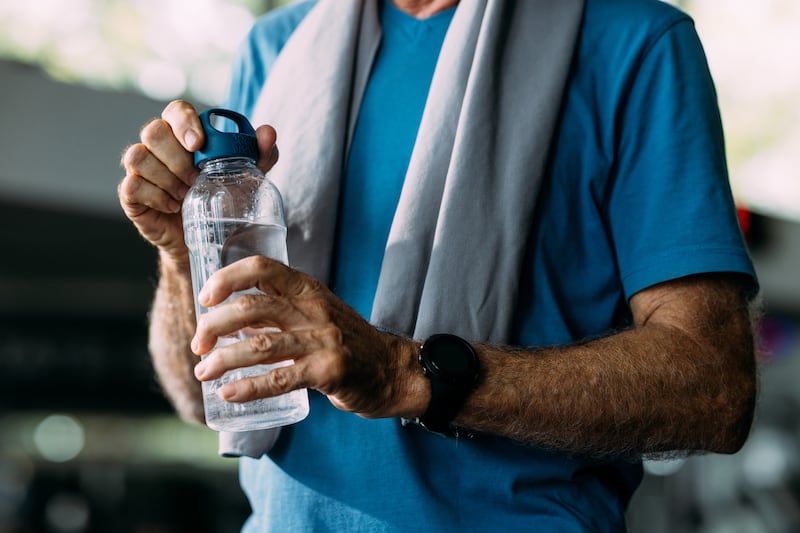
652 388
172 325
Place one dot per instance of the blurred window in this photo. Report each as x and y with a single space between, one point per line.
162 48
182 48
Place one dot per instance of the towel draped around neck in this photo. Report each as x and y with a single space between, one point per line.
458 238
457 242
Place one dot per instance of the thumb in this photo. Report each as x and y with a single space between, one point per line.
182 118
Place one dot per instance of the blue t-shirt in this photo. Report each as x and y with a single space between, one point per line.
381 148
635 193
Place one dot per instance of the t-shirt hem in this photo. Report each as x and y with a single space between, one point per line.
686 263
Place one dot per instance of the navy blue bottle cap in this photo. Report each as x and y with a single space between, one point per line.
241 143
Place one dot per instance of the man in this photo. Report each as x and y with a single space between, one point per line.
543 179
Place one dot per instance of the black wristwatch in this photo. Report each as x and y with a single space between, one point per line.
452 366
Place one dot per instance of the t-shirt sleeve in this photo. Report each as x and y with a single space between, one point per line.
257 53
670 210
248 72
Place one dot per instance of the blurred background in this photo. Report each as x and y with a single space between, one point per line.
87 442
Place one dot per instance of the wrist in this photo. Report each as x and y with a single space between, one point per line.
414 393
174 263
451 367
175 287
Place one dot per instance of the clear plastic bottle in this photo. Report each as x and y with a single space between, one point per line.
233 211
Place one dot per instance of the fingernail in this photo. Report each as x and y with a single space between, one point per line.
173 206
202 296
200 370
191 138
194 345
227 392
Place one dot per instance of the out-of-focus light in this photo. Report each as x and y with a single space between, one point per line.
762 120
15 480
663 468
59 438
238 21
769 182
766 459
129 43
161 80
779 336
210 83
67 513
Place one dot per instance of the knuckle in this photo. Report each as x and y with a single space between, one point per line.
258 262
178 113
176 106
154 131
332 365
248 388
329 335
261 344
313 284
319 309
123 154
219 362
278 379
246 304
126 190
135 156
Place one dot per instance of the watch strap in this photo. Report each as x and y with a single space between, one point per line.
446 400
452 378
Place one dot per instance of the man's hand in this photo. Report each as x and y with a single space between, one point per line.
336 352
160 170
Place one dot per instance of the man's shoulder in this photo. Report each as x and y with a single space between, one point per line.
277 25
635 10
640 17
615 34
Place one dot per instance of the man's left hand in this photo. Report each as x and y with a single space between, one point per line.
335 351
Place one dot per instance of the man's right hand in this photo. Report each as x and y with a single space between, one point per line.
159 172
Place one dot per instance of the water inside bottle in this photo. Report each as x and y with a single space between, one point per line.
214 244
250 239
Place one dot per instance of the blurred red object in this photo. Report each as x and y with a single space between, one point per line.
745 222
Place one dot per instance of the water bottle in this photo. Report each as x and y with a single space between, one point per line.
231 212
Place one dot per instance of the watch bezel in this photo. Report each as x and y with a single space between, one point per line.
432 355
450 385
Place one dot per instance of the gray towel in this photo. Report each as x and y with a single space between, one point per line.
457 242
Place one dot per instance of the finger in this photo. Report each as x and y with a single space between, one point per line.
182 118
265 348
320 371
246 311
277 381
137 195
140 162
267 147
268 275
159 138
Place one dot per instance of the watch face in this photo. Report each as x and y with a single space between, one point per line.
451 364
450 356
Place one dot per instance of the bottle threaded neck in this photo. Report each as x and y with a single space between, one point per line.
226 164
